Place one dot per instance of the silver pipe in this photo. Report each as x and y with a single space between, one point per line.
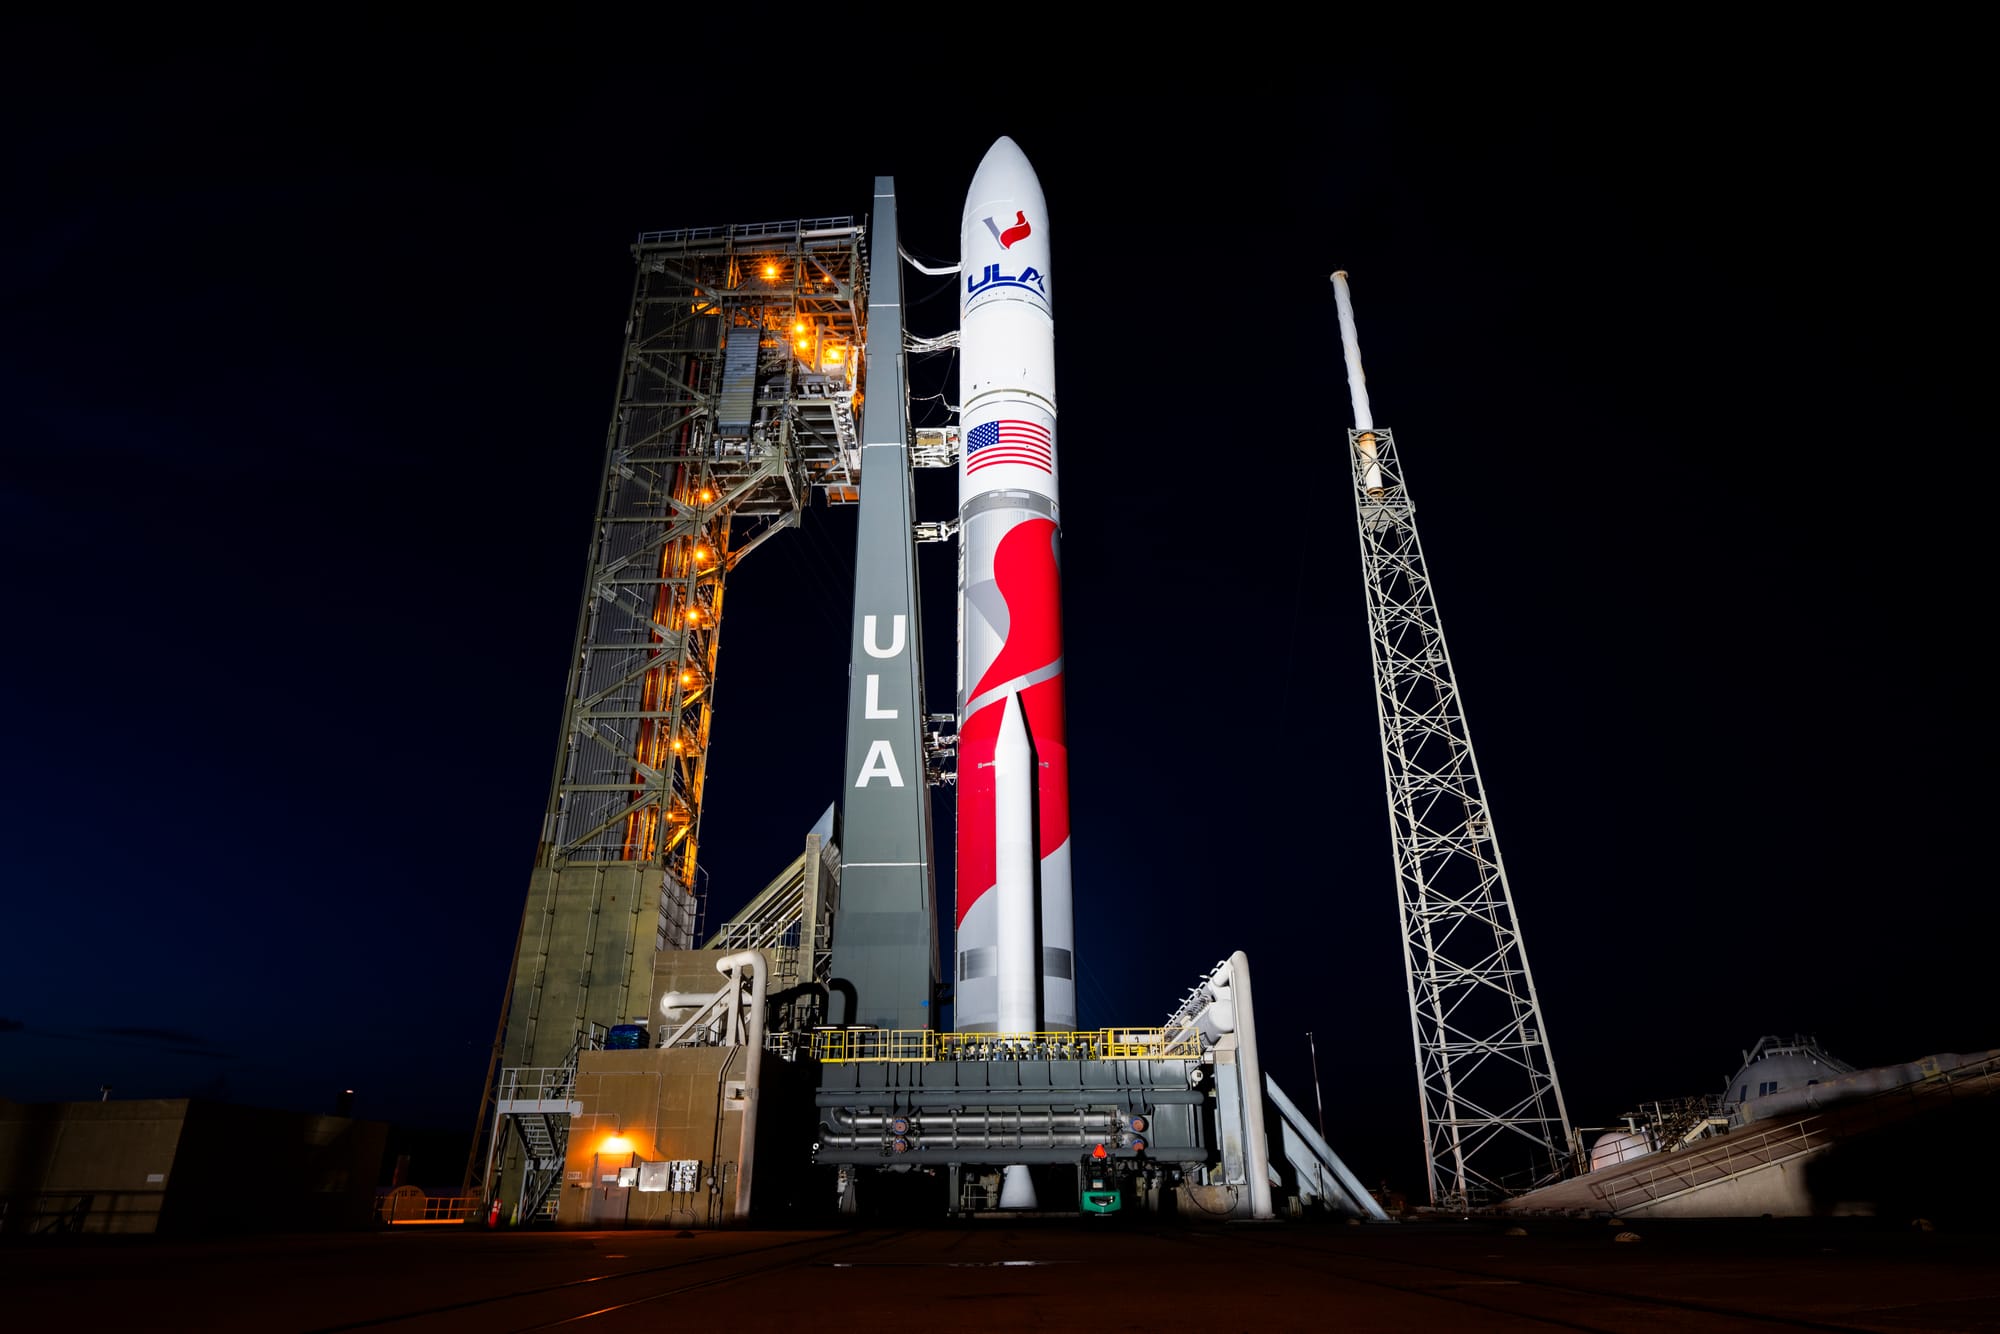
1000 1142
1078 1120
746 1146
680 1000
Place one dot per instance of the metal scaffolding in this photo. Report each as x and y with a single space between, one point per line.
736 399
1494 1121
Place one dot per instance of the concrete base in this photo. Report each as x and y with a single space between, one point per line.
660 1106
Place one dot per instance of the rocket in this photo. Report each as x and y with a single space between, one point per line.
1016 964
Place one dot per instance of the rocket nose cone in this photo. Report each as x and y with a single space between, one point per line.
1004 150
1004 173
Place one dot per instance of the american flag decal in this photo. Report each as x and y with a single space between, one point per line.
1009 442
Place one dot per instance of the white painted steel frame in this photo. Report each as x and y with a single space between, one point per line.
1493 1113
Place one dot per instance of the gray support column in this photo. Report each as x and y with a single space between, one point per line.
885 933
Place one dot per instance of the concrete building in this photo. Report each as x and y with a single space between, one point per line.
183 1165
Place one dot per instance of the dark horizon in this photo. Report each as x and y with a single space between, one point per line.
309 349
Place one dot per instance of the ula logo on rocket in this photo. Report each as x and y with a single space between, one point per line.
1029 278
1018 232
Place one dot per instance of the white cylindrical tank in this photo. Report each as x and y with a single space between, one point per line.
1619 1146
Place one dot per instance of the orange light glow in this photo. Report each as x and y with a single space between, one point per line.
616 1144
706 495
800 327
686 677
677 745
833 354
701 553
770 270
693 615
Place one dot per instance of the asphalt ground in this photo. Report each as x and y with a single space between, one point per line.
1085 1275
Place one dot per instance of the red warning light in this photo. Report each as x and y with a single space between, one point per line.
1099 1152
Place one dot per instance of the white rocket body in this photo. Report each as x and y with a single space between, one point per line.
1015 968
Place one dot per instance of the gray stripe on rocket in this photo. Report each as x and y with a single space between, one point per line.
1011 686
1008 500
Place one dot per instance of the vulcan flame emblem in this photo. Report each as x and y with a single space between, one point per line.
1018 232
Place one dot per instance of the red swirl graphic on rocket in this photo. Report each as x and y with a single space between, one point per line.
1020 231
1024 568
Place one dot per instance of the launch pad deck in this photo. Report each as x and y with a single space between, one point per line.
1840 1273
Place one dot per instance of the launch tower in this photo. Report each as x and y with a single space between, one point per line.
736 397
1494 1120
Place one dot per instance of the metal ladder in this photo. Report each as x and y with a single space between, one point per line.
545 1135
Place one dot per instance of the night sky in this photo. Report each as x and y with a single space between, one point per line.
309 347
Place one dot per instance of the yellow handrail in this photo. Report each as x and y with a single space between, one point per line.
926 1044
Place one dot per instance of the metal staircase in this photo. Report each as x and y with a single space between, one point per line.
537 1102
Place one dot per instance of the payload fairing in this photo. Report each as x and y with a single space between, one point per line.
1016 965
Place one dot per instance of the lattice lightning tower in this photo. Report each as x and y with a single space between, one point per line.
1494 1120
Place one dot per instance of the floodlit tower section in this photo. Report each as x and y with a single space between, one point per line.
1494 1121
735 398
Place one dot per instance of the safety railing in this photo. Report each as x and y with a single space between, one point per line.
537 1083
923 1044
1691 1169
748 231
875 1044
399 1209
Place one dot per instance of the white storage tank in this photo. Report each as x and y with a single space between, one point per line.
1619 1146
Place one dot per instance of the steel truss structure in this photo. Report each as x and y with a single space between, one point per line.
791 919
1494 1120
736 399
